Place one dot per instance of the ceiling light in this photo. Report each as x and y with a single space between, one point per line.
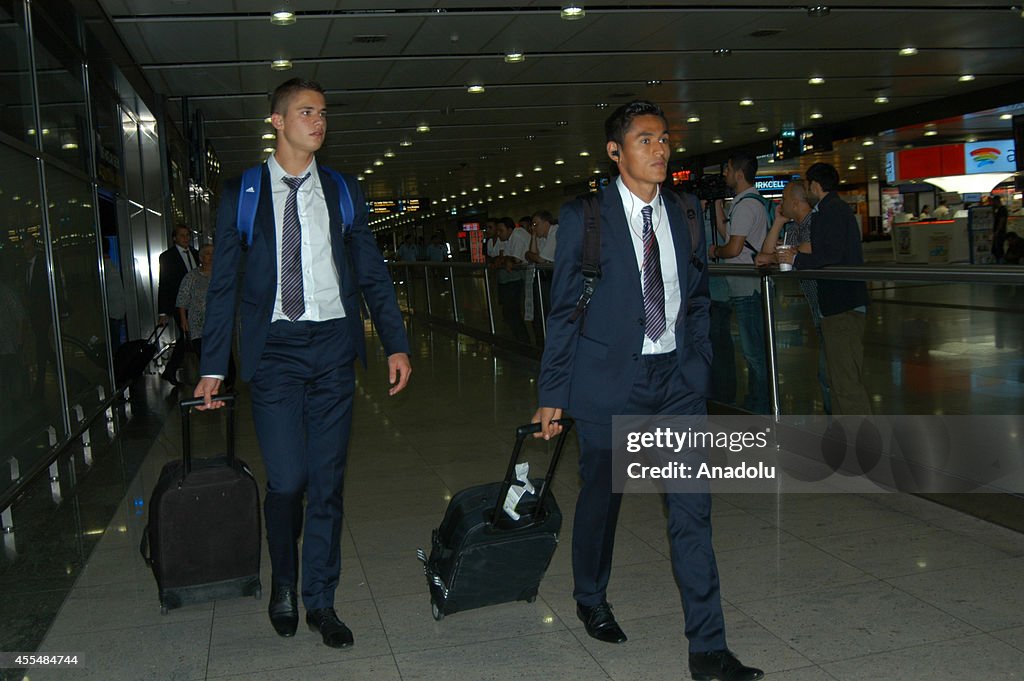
816 115
693 119
818 11
561 124
972 139
69 146
268 136
281 64
514 57
268 150
746 102
966 78
475 89
602 106
502 180
874 177
931 133
908 51
1004 117
268 119
405 143
537 169
881 99
762 128
559 181
378 163
858 157
653 83
816 80
584 153
852 166
389 154
716 140
368 171
360 178
519 173
868 142
282 18
572 11
722 52
422 127
680 150
488 185
559 162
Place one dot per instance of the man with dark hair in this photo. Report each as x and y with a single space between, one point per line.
641 348
510 273
835 240
304 277
745 228
175 263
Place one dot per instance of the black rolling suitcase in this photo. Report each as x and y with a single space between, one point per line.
481 556
131 358
203 536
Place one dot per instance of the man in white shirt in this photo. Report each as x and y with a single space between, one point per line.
509 265
745 228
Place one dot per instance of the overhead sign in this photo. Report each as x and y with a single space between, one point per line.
772 183
397 206
992 156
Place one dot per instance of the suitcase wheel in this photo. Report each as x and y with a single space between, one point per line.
436 611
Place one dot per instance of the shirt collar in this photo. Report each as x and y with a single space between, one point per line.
277 172
632 202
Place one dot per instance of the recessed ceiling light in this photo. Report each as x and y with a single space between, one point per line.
972 139
268 119
502 180
368 171
746 102
868 142
519 173
559 162
966 78
653 83
881 99
693 119
602 106
537 169
1006 117
422 127
584 153
360 178
68 146
572 11
680 150
908 51
722 52
281 64
816 80
558 181
852 166
475 89
816 115
282 18
514 57
378 163
269 136
858 157
561 124
762 128
716 140
389 154
931 133
268 150
405 143
818 11
488 185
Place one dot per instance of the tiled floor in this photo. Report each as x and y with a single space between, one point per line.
816 587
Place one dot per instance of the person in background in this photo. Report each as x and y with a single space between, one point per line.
407 251
999 220
516 242
835 240
175 263
191 307
926 212
436 251
941 210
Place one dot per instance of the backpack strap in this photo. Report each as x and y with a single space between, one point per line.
769 208
591 252
689 206
248 200
348 211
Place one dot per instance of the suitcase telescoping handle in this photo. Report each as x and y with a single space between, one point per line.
186 431
522 432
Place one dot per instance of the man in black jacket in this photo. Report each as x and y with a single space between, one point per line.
175 263
835 240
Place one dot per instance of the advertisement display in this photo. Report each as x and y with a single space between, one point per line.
993 156
980 220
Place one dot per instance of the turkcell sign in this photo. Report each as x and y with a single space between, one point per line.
991 156
771 183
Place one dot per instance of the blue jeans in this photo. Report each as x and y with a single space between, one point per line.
750 321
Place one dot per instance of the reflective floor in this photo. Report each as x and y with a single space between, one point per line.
843 586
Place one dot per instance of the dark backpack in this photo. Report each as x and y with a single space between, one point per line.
249 199
591 265
769 208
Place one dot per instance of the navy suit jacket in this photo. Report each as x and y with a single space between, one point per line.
259 281
590 365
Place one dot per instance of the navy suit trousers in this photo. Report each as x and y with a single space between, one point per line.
302 410
659 389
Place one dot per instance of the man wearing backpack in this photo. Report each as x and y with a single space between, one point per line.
300 333
745 227
640 347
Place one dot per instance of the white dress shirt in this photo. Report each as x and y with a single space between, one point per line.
633 205
186 255
321 286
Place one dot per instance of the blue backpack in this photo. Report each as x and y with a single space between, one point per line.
249 199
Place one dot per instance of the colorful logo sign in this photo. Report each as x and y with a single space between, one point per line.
992 156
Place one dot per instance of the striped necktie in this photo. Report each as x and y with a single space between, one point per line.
654 287
292 298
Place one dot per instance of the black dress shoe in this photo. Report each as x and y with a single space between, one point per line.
721 665
600 622
283 609
333 630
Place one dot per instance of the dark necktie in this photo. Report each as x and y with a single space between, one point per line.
292 298
654 287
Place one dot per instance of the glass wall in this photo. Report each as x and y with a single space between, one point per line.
16 112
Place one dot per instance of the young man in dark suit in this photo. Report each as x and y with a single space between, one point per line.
641 348
175 263
301 332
